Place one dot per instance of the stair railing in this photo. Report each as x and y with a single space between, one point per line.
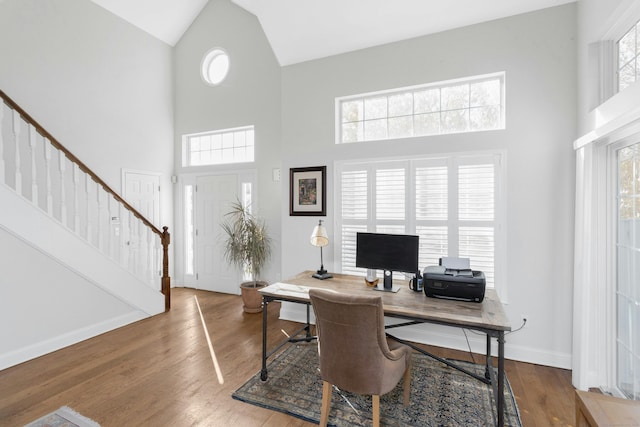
36 166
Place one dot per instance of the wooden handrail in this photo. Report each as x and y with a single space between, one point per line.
164 234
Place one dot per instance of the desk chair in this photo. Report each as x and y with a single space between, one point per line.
354 352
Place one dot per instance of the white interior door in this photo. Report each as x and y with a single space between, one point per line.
214 195
142 191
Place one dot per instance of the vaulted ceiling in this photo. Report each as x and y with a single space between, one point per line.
302 30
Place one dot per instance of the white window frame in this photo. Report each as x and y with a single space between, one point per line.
636 58
249 133
498 158
500 76
611 269
605 65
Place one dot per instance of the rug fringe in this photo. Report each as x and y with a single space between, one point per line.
65 411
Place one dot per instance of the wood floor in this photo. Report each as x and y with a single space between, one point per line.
159 372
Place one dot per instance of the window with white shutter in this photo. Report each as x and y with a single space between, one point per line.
451 202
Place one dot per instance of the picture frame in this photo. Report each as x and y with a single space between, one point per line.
307 191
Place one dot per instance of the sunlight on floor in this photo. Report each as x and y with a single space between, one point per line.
213 353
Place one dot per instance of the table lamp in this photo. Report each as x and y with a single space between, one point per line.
319 238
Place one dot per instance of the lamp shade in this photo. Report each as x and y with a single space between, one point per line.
319 236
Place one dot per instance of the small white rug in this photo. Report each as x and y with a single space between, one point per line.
63 417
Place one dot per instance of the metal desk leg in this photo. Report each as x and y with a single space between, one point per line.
487 371
501 379
263 372
308 327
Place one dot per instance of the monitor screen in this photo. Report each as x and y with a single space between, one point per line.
388 252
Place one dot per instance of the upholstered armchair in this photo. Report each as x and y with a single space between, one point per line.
355 354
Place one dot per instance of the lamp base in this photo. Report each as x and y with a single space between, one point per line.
322 274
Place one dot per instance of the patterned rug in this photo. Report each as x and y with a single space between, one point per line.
63 417
440 396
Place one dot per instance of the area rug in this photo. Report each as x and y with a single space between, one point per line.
63 417
440 396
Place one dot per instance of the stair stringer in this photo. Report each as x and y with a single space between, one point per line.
32 225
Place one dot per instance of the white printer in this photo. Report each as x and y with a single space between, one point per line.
454 279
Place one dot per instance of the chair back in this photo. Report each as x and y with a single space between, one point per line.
354 354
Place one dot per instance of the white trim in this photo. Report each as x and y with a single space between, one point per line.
617 118
594 276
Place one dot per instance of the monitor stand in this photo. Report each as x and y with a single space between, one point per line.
387 285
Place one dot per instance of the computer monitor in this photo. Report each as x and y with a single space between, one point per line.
387 252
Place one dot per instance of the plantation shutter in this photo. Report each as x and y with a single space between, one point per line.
432 210
354 211
450 202
476 214
390 201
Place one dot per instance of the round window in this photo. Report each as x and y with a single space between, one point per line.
215 66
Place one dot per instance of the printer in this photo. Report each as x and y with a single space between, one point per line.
454 279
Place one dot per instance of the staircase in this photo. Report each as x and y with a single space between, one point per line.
77 260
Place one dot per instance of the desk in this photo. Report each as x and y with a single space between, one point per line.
487 317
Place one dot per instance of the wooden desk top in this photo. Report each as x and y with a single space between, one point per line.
489 314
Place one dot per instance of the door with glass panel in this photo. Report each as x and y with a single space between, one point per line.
628 272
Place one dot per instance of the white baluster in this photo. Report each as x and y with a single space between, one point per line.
2 178
16 138
144 256
133 244
76 201
126 237
33 133
115 229
62 164
151 263
99 229
47 165
87 187
109 232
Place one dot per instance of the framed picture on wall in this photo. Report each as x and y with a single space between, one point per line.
307 191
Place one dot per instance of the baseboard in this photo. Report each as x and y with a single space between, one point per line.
24 354
453 338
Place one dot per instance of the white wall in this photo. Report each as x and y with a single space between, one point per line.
45 306
250 95
103 88
538 53
99 85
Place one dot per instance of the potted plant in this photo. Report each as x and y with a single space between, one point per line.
248 246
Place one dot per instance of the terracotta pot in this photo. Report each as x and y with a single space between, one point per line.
251 298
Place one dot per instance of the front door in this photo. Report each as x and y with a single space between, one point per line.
214 195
